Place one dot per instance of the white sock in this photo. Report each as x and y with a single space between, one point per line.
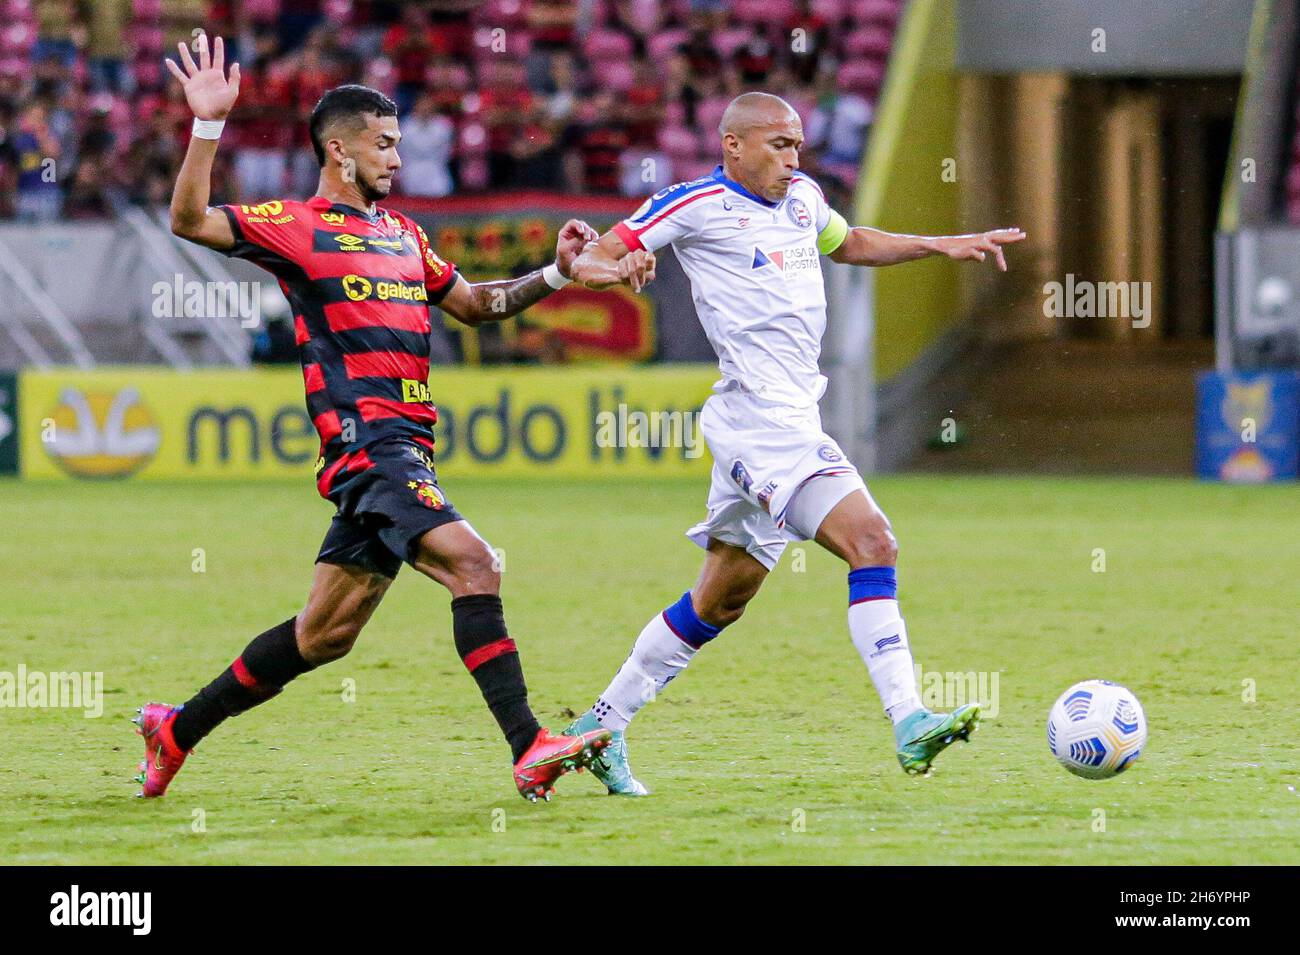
880 635
656 658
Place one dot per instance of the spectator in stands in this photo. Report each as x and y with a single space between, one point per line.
57 30
701 55
598 140
9 159
261 127
179 19
554 28
643 103
427 140
754 61
561 91
837 129
297 19
39 196
410 44
505 103
87 196
106 44
810 37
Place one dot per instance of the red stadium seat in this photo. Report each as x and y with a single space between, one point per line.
709 113
617 74
729 41
501 13
862 76
883 12
662 45
17 39
762 13
872 42
679 142
833 11
607 45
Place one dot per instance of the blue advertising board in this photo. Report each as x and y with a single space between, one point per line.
1247 426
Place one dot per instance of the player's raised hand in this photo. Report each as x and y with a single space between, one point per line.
209 92
979 245
637 269
573 238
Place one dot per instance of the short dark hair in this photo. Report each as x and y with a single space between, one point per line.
345 102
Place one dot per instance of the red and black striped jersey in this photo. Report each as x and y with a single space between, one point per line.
360 286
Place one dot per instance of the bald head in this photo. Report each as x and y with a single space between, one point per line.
750 110
761 139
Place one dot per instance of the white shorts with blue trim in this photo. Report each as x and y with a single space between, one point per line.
776 474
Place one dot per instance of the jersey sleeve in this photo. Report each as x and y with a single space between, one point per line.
439 275
832 229
268 233
673 215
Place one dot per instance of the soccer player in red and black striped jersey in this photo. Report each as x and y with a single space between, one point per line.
361 280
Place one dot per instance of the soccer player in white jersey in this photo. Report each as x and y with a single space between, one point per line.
750 238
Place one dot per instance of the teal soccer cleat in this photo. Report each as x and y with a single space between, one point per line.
924 735
610 766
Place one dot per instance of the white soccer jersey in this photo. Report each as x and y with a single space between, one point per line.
755 273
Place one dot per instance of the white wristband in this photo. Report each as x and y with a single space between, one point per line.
553 277
208 128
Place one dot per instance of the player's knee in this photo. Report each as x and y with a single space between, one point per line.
724 609
873 546
322 643
478 572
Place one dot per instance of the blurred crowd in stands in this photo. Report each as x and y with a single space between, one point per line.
618 97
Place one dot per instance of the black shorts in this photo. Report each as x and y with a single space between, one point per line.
383 511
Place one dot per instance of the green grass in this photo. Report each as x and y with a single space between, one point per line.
776 721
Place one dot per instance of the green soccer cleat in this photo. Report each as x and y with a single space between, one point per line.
924 735
610 766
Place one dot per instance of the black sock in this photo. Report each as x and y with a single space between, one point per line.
479 627
259 673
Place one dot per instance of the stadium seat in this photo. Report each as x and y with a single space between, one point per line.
862 77
833 11
501 13
679 142
728 41
883 12
607 45
709 113
762 14
662 45
617 74
872 42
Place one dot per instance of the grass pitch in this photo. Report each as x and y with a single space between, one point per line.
772 749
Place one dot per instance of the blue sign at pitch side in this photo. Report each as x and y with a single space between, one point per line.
1247 426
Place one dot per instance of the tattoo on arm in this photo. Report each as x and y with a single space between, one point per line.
494 301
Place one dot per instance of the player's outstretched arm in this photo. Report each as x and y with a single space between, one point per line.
608 262
866 246
211 95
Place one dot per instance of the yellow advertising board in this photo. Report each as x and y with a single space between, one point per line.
153 423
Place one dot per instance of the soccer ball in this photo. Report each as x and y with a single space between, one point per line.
1097 729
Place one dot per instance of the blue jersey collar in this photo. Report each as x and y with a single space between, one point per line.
731 184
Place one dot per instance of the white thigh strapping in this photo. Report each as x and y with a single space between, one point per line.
816 498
